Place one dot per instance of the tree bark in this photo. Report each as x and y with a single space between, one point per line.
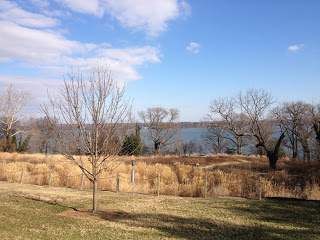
8 142
156 148
95 191
317 130
274 155
273 158
294 152
239 147
306 152
218 149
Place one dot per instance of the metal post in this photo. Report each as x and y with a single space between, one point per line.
50 177
118 182
133 162
205 186
158 187
82 178
21 180
259 187
132 180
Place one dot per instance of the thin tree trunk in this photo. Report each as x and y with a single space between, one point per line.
95 188
306 153
239 147
306 149
156 148
294 153
316 127
8 142
218 150
95 191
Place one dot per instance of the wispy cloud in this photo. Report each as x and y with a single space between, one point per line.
10 11
151 17
40 3
39 44
295 47
193 47
51 50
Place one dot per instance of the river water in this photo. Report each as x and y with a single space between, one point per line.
187 135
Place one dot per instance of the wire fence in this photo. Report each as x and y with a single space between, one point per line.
257 187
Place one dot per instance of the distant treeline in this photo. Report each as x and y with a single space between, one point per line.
186 125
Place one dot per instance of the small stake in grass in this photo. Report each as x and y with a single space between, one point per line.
205 187
21 180
50 176
132 180
158 186
118 182
132 175
82 178
259 187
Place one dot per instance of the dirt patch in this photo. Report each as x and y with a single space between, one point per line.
202 161
235 162
101 215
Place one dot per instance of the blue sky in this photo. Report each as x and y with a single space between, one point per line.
170 53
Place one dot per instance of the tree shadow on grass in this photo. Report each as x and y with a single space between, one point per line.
290 212
271 219
201 228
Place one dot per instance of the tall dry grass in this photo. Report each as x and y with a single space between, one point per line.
235 176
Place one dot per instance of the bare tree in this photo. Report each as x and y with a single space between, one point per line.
290 117
11 102
246 116
315 113
234 123
89 117
255 104
43 135
215 138
189 147
162 125
305 131
298 121
315 141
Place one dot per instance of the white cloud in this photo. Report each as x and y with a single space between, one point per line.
140 15
185 9
50 50
10 11
33 45
132 56
146 15
88 7
295 47
193 47
55 13
28 40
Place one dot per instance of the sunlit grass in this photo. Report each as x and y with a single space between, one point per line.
35 212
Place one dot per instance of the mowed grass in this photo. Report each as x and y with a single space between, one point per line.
35 212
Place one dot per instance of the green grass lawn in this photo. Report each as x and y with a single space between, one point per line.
34 212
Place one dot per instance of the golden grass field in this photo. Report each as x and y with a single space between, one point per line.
228 175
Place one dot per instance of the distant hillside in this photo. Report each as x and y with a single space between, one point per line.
185 125
192 125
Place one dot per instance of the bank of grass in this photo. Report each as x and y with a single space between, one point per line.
35 212
227 175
